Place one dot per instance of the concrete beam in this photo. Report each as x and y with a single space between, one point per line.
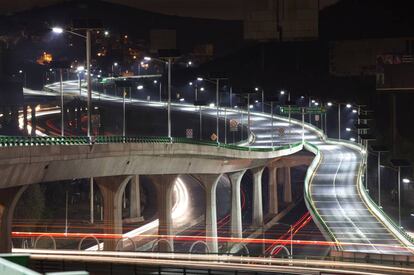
8 201
112 189
210 185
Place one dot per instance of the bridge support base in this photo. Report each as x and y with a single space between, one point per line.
8 201
112 189
165 188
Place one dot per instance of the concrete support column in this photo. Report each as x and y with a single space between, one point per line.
236 219
210 185
8 201
287 186
135 198
25 119
165 187
257 218
33 133
112 189
273 199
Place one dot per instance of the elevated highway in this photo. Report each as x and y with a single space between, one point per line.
334 190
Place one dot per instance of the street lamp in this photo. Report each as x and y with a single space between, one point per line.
87 37
168 63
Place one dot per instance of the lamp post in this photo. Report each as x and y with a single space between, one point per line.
59 30
168 63
379 149
367 138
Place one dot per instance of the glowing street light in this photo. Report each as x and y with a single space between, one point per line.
352 139
282 92
329 104
140 87
199 79
147 58
405 180
348 106
57 30
348 129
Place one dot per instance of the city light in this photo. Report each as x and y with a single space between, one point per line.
405 180
329 104
106 33
190 63
316 103
115 64
256 89
348 105
348 129
199 79
80 69
181 99
140 87
147 58
211 105
190 83
313 101
302 97
352 139
57 30
282 92
354 111
155 81
202 89
256 101
20 71
251 107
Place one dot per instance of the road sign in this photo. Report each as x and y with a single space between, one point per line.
213 137
293 110
315 110
189 133
233 125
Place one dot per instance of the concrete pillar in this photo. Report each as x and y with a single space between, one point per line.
210 182
112 189
135 198
273 200
25 119
257 217
236 219
33 133
287 186
8 201
165 187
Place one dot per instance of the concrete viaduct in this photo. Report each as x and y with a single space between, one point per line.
114 165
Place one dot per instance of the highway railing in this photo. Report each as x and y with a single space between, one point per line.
12 141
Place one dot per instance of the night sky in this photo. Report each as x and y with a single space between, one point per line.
218 9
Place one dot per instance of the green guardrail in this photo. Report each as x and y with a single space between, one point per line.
14 141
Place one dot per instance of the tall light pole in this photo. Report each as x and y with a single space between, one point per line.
168 63
379 149
59 30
